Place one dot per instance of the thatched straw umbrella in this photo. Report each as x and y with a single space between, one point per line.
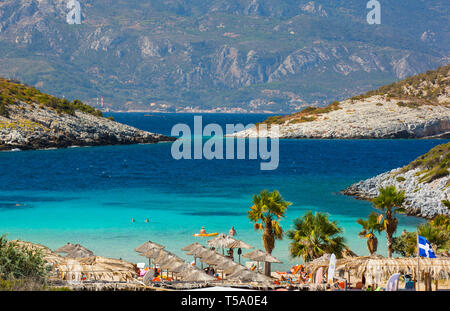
180 267
214 259
66 248
249 276
239 245
79 253
166 259
75 248
315 264
221 241
151 254
196 275
200 252
267 258
260 256
235 269
191 247
148 247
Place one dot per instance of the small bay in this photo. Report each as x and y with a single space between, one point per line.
89 195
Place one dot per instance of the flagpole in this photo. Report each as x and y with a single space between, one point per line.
418 258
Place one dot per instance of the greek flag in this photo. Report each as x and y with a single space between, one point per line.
425 249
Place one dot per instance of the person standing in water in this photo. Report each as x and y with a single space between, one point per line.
232 231
203 231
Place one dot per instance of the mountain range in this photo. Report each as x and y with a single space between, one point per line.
218 56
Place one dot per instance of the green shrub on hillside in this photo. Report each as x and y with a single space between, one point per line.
18 262
434 164
12 92
420 89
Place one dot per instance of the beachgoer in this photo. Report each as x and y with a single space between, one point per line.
203 231
232 231
404 232
147 220
132 219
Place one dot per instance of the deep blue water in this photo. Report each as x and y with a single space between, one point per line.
89 195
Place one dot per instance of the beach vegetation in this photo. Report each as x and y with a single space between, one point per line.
314 235
266 212
389 201
436 231
400 179
433 165
370 227
20 267
4 110
13 92
308 114
405 245
418 90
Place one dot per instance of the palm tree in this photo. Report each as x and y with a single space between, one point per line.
370 227
267 210
315 235
390 201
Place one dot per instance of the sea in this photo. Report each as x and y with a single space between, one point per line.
89 195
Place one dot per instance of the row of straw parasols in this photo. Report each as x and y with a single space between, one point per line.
234 271
377 267
171 263
225 265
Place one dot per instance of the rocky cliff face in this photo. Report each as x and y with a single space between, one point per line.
179 54
30 127
425 182
422 199
417 107
373 117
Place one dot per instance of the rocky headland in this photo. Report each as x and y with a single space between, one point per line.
30 119
425 181
417 107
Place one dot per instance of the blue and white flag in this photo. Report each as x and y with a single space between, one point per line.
425 249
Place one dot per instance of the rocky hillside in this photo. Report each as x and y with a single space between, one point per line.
425 181
416 107
30 119
246 55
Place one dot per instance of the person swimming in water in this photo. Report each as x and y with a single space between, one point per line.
132 219
147 220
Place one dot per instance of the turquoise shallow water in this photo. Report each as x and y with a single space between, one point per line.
89 195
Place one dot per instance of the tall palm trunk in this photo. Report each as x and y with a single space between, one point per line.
391 227
269 243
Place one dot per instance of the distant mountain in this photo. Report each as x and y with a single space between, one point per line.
236 55
416 107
